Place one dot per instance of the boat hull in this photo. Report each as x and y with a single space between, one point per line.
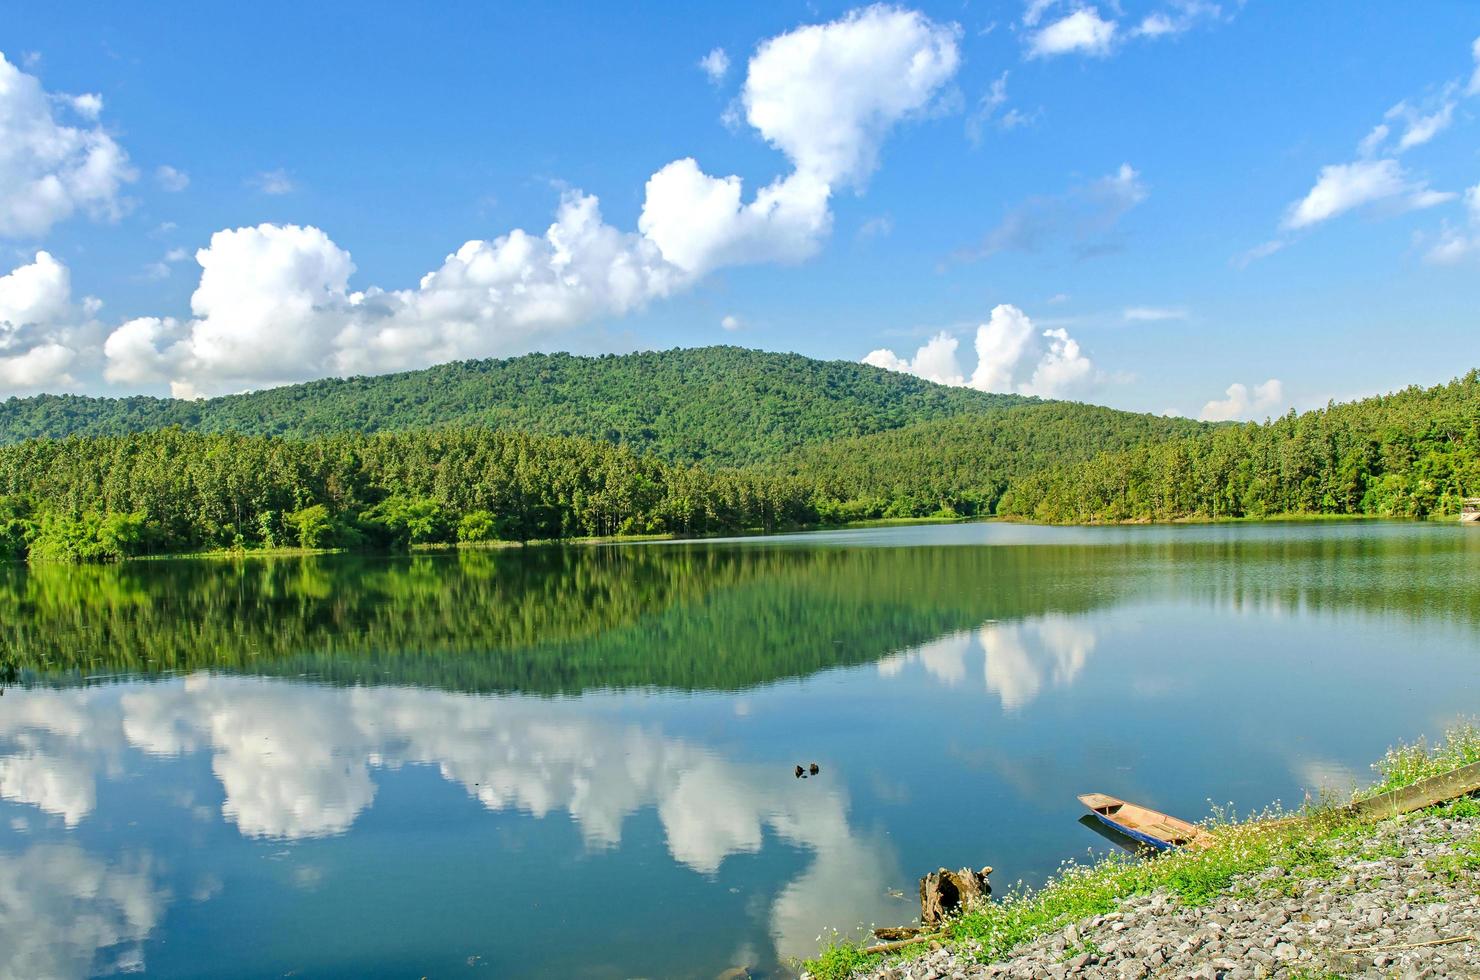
1152 842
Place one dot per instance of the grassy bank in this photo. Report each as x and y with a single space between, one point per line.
1304 847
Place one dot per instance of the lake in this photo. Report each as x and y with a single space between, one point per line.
578 761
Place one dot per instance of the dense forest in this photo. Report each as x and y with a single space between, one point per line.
963 465
1415 453
110 497
717 406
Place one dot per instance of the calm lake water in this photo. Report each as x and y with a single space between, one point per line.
579 761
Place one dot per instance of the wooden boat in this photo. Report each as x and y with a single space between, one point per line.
1150 827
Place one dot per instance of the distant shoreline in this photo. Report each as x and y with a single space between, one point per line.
234 554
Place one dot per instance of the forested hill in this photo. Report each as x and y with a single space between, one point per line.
721 406
963 464
1414 453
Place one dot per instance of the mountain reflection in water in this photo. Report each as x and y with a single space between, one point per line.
579 761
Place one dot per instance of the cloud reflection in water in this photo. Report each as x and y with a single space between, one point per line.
298 761
1018 658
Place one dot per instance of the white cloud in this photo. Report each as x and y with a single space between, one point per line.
275 305
730 322
161 269
1180 17
1034 11
1377 176
1419 127
171 179
1474 87
935 361
275 182
1084 215
1454 245
1261 251
986 108
716 64
879 226
50 170
1156 25
44 335
1341 187
827 95
1153 313
1242 404
1084 31
1013 355
88 104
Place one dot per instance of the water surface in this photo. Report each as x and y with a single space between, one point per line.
579 761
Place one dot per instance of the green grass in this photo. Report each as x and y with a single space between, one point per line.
1304 848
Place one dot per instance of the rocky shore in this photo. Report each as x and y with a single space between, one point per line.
1379 905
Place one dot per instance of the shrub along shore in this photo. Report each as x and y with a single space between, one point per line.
1324 894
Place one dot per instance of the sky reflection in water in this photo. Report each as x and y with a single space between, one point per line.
538 812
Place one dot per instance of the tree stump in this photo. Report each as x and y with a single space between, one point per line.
945 893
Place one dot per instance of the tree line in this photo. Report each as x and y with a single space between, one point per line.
171 491
1414 453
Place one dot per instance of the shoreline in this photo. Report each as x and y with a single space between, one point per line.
1304 896
229 554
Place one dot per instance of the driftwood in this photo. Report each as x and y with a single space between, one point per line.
1426 792
1432 942
944 893
895 933
900 944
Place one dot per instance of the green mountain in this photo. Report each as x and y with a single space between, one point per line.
722 406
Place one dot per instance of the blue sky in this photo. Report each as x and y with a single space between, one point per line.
1139 204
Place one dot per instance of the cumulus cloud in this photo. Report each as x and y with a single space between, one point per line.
50 169
730 322
825 96
1241 403
275 304
1083 217
1013 355
44 334
715 64
1082 31
935 361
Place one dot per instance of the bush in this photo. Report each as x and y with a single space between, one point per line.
401 520
478 525
312 525
90 537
